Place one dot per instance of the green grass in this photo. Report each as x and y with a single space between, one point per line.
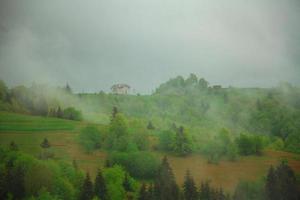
18 122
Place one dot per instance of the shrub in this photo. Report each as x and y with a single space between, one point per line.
90 138
72 114
138 164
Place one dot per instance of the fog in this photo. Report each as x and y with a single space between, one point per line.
95 44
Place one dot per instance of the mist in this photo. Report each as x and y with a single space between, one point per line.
95 44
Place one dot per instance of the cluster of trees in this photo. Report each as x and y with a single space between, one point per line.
249 144
278 115
179 85
279 184
68 113
25 177
166 188
35 100
112 183
176 140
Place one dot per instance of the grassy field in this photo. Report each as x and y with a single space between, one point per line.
28 132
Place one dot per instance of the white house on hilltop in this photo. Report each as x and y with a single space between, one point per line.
120 88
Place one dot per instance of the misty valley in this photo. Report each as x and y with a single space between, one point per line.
187 140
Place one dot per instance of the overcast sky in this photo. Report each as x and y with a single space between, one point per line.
93 44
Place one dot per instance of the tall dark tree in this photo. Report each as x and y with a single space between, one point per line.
183 144
59 112
114 112
150 126
281 183
13 146
287 182
126 183
45 144
205 191
189 188
68 89
165 185
87 192
271 185
143 194
100 187
15 180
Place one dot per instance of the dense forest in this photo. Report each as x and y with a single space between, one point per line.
182 117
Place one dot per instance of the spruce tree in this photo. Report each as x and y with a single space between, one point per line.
205 191
13 146
87 189
271 185
189 188
150 126
143 194
59 112
114 112
126 183
287 182
45 144
165 185
100 187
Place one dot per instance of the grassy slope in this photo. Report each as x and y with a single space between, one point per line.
28 132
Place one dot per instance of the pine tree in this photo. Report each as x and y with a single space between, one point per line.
182 142
45 144
108 163
68 89
287 182
100 187
15 180
126 183
189 188
271 185
59 112
150 126
143 194
165 185
87 189
151 194
114 112
205 191
13 146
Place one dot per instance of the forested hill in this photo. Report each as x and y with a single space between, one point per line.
189 102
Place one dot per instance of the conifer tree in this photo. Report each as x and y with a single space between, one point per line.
165 185
13 146
143 194
150 126
100 187
87 189
126 183
45 144
271 185
205 191
183 144
114 112
189 188
68 89
59 112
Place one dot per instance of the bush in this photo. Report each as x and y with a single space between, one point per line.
72 114
166 140
90 138
249 144
139 164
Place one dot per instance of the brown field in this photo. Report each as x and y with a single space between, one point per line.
225 174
